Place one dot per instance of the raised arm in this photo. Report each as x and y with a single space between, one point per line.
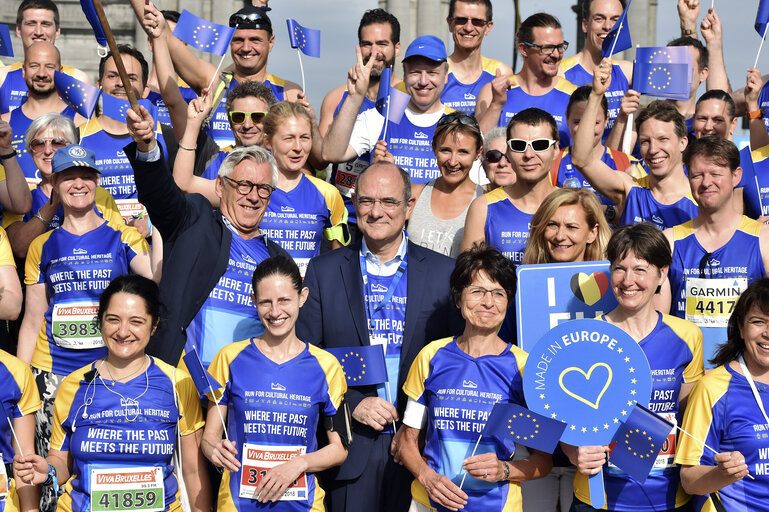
713 35
491 100
184 166
14 191
316 152
759 137
630 104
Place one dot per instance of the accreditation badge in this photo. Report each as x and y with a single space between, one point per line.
73 325
258 459
710 302
3 480
127 488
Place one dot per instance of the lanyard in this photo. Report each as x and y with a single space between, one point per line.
370 308
747 375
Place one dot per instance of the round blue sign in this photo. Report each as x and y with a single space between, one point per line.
588 374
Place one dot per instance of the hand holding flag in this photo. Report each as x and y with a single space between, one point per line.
618 38
204 35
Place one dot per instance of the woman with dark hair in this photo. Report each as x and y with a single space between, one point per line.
476 363
727 409
122 417
438 219
640 257
276 389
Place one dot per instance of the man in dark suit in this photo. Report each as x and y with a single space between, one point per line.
208 255
350 305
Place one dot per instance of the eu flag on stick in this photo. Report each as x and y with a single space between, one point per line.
204 381
664 72
115 108
398 100
762 17
203 35
639 440
511 423
90 13
78 95
6 45
362 366
306 39
619 33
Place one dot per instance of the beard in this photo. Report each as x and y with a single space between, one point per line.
376 72
41 89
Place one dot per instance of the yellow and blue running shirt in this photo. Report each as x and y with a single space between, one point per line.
461 96
75 270
554 102
576 74
723 412
13 91
298 219
276 408
458 392
674 351
641 206
100 426
704 287
507 228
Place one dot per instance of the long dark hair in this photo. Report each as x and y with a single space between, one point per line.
756 295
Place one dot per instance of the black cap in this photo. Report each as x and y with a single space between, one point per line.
251 17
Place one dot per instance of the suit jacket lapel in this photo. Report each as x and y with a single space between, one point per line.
353 285
415 282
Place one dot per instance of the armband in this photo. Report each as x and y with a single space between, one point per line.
340 232
51 480
8 156
340 423
755 114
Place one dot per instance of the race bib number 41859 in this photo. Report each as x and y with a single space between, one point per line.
127 489
259 459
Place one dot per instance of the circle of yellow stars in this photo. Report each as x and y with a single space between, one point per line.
84 96
363 366
518 436
205 28
301 41
652 451
665 74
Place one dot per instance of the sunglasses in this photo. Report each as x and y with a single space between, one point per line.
458 117
252 21
493 156
38 145
238 117
461 20
538 145
549 49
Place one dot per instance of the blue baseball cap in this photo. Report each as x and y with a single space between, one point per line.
430 47
71 156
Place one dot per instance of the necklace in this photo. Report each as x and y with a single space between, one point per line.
131 405
127 377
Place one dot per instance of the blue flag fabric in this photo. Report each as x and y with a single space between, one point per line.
397 99
204 381
383 95
78 95
511 423
115 108
639 440
620 32
762 17
306 39
362 366
663 72
90 13
203 35
6 45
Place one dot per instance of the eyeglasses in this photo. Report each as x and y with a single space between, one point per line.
238 117
252 20
493 156
264 190
458 117
548 49
38 145
538 145
477 22
477 294
388 203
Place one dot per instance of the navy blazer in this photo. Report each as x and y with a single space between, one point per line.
334 315
196 250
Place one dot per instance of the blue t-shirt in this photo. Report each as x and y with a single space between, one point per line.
608 157
161 112
641 206
461 96
507 228
755 181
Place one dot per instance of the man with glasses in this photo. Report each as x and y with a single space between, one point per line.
502 217
540 42
208 255
408 143
469 22
358 297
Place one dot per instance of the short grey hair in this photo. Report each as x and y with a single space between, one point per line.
59 124
498 132
405 176
256 154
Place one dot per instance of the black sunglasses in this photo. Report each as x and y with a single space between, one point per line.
477 22
252 20
493 156
458 117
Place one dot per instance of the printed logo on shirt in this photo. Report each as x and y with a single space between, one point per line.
657 220
469 384
276 386
79 251
378 288
469 96
248 258
421 135
288 209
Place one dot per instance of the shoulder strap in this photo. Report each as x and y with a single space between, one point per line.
225 79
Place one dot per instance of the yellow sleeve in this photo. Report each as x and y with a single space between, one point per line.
62 404
414 386
520 357
189 404
692 336
337 384
336 208
29 402
107 207
131 236
34 254
6 255
220 365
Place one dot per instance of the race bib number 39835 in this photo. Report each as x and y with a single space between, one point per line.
74 325
259 459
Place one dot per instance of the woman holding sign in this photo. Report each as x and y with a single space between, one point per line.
452 387
727 409
276 389
640 257
118 421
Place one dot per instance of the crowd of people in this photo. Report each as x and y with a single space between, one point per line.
225 218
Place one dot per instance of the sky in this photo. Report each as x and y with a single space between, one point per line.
338 23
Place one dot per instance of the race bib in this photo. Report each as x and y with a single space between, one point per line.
710 302
127 488
258 459
3 480
666 457
129 207
74 325
347 175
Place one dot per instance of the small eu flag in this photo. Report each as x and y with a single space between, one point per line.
621 33
6 46
78 95
383 95
398 100
203 35
639 440
90 13
362 366
204 381
664 72
512 423
115 108
762 17
306 39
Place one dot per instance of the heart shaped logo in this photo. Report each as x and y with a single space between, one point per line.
589 288
587 385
